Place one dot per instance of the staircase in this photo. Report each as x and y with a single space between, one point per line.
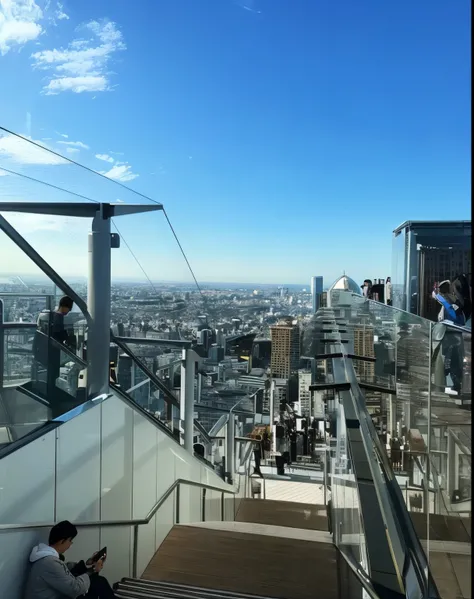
130 588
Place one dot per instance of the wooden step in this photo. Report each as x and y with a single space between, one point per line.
283 513
248 564
132 588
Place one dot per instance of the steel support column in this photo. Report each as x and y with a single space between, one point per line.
98 300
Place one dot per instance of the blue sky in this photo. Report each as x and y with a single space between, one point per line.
286 138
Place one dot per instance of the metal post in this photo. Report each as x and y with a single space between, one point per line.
325 473
428 444
204 505
177 504
230 457
135 552
187 398
222 507
98 300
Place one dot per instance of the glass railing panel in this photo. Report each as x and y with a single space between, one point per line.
59 376
136 375
450 447
21 306
17 354
392 406
40 378
345 507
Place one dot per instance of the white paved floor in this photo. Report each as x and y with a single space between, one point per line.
287 490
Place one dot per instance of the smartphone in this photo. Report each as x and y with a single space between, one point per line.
100 555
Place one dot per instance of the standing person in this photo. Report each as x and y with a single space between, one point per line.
50 577
257 454
452 342
47 354
388 291
367 288
450 305
462 292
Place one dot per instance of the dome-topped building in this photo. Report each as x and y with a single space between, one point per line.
342 284
345 283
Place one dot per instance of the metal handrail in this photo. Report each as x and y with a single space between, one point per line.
169 397
8 326
65 349
361 576
130 522
135 522
408 535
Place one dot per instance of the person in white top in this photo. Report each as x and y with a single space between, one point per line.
388 291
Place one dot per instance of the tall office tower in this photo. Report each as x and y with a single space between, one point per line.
304 394
364 346
285 349
316 292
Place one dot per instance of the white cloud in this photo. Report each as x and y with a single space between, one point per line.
83 65
60 14
23 152
72 150
105 157
62 135
19 23
3 173
76 85
120 172
31 223
74 144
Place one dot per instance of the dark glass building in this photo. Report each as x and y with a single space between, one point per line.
425 252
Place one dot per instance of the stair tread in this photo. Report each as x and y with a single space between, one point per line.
170 589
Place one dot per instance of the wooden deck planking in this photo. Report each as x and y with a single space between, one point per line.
247 563
283 513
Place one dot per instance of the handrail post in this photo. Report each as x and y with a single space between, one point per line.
187 398
135 552
177 504
204 505
222 506
230 449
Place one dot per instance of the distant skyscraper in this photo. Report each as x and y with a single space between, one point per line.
364 346
316 292
304 394
285 349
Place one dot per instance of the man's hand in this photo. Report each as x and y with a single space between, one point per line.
90 561
98 565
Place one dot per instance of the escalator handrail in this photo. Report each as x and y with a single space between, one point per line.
406 528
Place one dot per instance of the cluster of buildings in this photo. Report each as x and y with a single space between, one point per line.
250 340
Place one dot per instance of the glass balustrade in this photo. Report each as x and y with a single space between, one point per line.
415 377
40 378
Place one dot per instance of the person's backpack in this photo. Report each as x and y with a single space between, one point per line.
448 312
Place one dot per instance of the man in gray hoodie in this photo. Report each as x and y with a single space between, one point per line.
50 577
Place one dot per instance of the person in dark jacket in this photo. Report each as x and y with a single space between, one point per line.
50 577
462 291
47 354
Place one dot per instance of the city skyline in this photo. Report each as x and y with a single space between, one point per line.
273 125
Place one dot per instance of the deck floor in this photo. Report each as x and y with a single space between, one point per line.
283 513
248 563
